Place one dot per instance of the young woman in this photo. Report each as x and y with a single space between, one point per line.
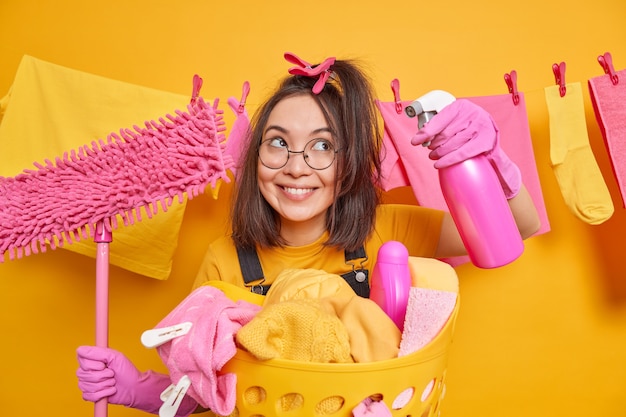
307 197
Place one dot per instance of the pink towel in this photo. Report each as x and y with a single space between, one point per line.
427 312
609 105
206 348
403 164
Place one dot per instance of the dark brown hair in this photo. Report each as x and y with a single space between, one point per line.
347 103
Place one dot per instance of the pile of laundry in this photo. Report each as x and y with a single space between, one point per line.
307 316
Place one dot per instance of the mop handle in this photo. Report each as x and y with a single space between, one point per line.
102 238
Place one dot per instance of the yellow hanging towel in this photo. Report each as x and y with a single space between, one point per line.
51 109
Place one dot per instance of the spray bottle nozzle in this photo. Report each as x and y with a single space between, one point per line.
428 105
413 109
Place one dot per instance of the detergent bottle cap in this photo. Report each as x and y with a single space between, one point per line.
393 252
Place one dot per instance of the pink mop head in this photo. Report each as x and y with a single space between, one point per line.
140 167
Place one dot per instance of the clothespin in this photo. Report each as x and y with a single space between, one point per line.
607 65
395 87
559 77
195 92
511 82
156 337
173 396
244 96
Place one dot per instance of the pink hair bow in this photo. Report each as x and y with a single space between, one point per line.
322 70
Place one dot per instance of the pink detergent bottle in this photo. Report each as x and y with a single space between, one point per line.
474 197
391 281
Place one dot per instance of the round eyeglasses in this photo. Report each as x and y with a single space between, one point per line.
318 153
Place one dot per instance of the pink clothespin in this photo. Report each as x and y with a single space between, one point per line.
607 65
244 96
511 82
559 77
322 71
195 92
395 87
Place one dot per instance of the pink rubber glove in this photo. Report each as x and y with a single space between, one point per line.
107 373
463 130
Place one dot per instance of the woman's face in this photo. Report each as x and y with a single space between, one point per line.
300 194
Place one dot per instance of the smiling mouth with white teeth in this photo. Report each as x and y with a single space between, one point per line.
297 191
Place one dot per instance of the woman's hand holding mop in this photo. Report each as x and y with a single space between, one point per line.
107 373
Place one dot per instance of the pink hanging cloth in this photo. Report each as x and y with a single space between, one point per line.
240 128
608 96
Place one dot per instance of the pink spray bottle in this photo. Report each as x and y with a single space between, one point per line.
474 197
391 281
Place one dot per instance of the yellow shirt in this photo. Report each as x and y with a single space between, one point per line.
418 228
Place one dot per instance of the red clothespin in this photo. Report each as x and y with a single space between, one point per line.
607 65
511 82
395 87
245 90
195 92
559 77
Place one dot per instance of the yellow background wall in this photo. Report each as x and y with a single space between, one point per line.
544 336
